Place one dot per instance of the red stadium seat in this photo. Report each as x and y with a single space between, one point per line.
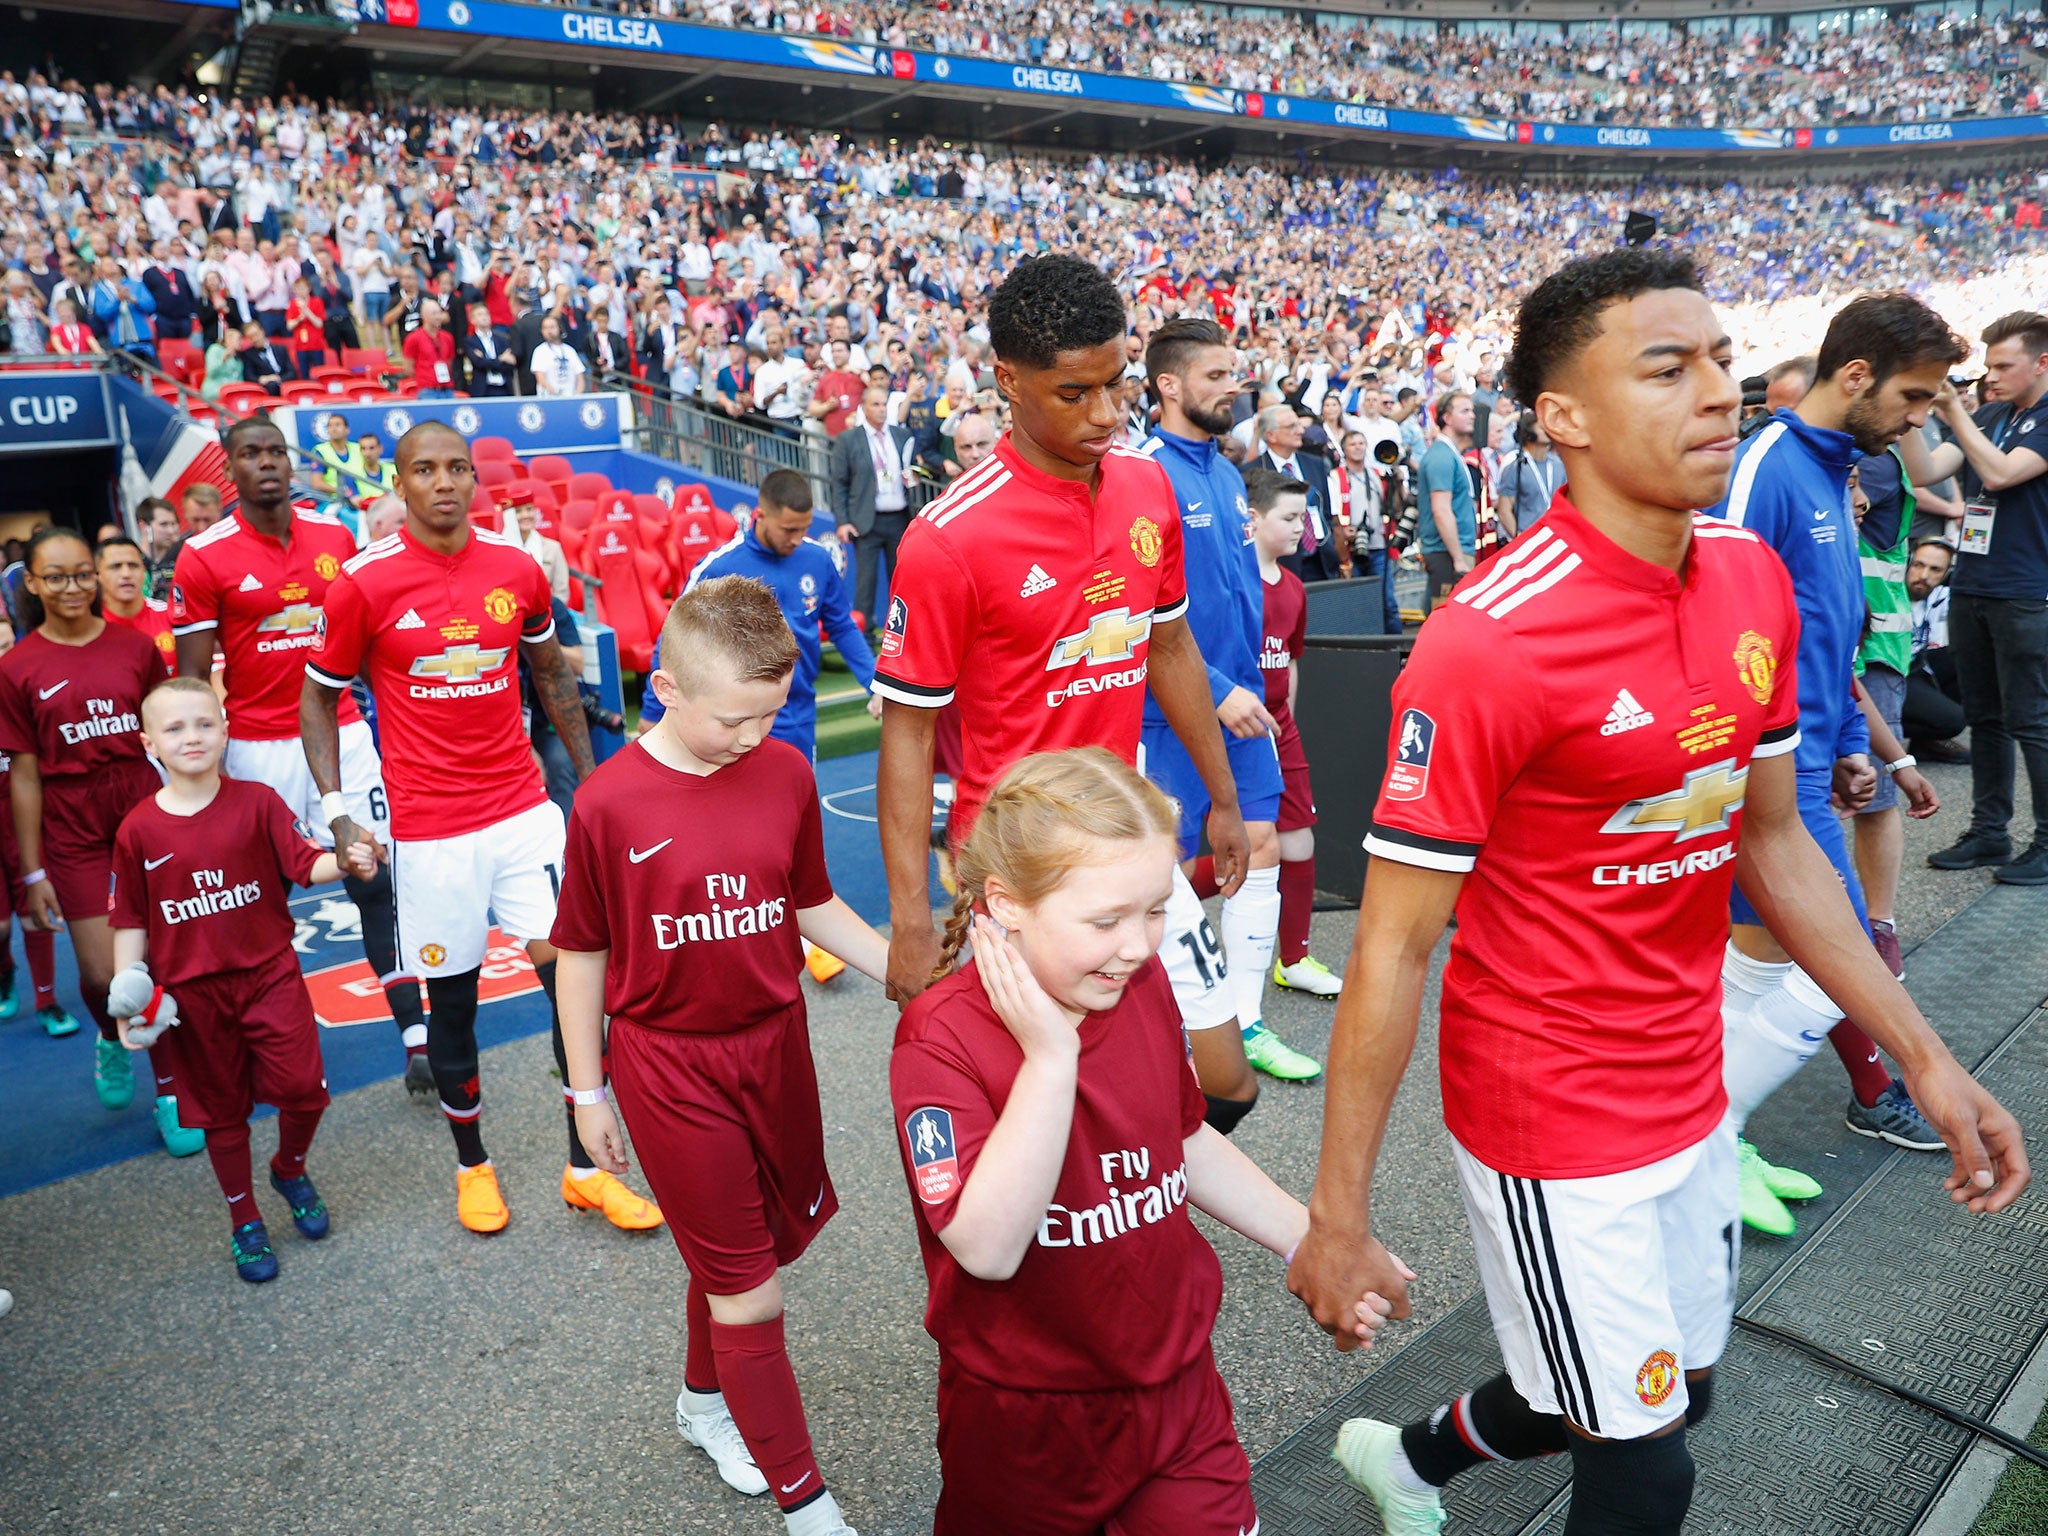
487 450
545 495
725 523
483 509
303 392
366 361
696 496
494 473
552 466
622 601
177 358
588 484
335 380
653 515
693 534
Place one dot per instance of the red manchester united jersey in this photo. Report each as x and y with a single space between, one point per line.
439 636
1591 781
153 622
77 707
1285 629
693 885
1117 1226
264 598
211 889
1031 603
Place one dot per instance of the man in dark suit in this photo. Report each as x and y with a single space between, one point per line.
1282 427
177 307
526 319
487 350
871 477
264 361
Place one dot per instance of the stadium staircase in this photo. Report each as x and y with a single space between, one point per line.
1870 1352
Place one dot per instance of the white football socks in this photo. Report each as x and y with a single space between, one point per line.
697 1404
1764 1044
1744 980
1251 927
821 1517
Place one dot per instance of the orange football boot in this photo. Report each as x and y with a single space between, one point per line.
478 1205
599 1191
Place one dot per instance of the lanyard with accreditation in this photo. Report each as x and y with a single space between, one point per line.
1980 515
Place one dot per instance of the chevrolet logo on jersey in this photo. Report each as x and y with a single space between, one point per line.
296 619
1705 803
1113 635
461 663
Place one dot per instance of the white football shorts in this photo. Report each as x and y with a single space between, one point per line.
450 888
1605 1291
1194 960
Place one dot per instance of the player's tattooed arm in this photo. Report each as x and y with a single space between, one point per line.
320 735
554 686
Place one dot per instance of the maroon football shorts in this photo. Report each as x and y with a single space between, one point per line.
729 1135
243 1038
1297 800
1133 1461
81 814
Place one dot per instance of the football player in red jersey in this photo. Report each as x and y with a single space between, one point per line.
1044 591
1589 866
251 589
433 616
200 903
70 716
696 864
1053 1137
122 571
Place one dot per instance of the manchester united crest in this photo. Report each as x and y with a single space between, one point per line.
1756 664
326 566
501 605
1146 543
1658 1379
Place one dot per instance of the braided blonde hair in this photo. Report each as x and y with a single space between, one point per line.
1041 821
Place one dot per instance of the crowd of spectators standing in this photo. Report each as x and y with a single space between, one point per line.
1901 69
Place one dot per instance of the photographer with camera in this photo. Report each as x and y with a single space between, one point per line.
1532 477
1358 490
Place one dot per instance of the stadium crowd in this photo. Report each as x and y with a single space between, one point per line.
1903 69
1924 67
616 222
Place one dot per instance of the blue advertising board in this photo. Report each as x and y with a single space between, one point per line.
54 410
573 424
648 35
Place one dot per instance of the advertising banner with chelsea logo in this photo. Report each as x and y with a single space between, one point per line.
575 424
738 45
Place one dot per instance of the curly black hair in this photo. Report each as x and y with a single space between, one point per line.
1053 304
1561 315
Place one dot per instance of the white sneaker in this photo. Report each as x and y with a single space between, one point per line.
718 1437
1308 974
6 1302
1365 1450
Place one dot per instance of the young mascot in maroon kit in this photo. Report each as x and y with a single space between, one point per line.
695 868
70 699
203 937
1053 1138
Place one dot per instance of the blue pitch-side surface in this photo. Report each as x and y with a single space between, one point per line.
51 1123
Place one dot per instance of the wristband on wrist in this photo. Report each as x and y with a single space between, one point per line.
1898 763
333 806
584 1095
34 876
